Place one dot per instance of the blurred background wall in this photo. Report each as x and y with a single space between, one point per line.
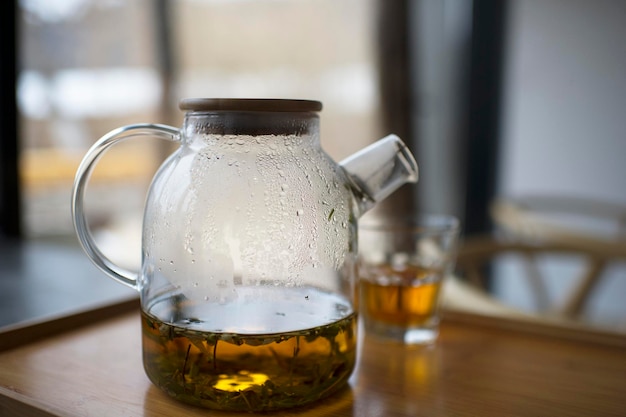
564 129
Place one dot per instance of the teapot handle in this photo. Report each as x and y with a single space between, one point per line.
85 169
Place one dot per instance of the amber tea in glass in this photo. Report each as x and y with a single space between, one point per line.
402 267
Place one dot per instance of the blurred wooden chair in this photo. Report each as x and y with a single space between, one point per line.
575 220
476 254
541 226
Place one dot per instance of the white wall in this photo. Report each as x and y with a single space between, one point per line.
565 99
564 125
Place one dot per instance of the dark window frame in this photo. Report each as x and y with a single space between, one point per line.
10 218
484 116
480 102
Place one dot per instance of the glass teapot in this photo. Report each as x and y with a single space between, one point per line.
248 271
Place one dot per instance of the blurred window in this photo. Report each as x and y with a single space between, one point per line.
89 66
86 67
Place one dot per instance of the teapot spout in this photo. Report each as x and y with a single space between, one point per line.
378 170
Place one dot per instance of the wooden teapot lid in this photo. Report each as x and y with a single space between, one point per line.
249 104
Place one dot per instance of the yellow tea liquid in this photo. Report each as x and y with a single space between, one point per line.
403 297
265 365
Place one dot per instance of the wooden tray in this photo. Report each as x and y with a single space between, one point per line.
89 364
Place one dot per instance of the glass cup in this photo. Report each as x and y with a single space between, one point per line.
402 265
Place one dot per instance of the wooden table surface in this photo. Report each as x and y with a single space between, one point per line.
479 367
